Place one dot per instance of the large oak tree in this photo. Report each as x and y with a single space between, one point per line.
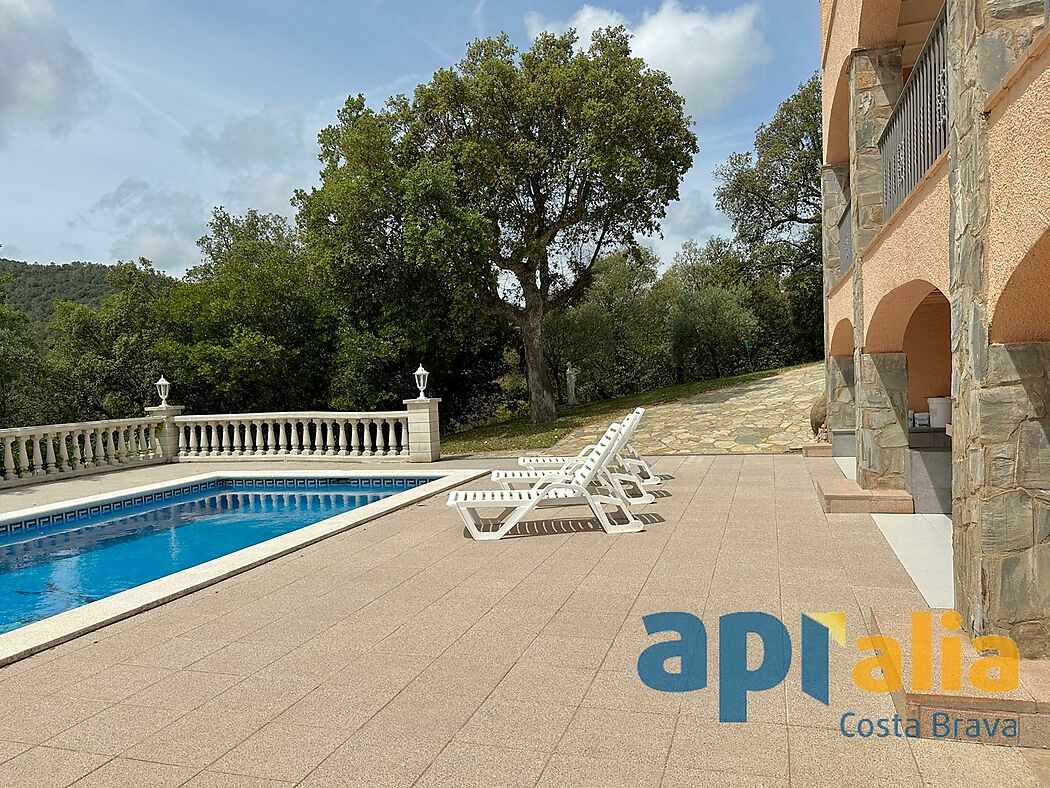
511 173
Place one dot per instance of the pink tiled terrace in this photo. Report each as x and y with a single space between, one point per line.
401 653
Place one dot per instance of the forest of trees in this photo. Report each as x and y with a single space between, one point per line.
413 248
34 289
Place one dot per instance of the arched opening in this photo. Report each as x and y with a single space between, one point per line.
1022 313
842 340
889 321
913 321
927 343
842 412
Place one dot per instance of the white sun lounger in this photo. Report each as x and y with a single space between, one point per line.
555 490
612 475
627 458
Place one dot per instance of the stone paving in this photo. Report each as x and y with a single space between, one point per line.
766 416
402 653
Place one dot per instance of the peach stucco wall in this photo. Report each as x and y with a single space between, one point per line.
848 25
1019 198
913 246
840 305
927 341
841 339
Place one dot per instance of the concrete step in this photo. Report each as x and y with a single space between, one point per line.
817 450
956 714
845 496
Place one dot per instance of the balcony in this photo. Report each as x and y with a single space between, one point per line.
917 132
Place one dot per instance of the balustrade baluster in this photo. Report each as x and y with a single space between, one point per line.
63 451
253 438
285 432
122 447
49 453
77 461
356 442
238 447
371 443
10 472
98 452
404 437
385 431
23 459
88 460
38 460
297 448
344 437
331 440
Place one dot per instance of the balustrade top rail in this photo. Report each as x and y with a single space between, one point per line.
14 432
326 415
917 132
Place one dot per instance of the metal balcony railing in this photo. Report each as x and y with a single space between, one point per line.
917 132
846 239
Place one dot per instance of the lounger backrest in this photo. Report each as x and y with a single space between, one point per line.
627 428
599 455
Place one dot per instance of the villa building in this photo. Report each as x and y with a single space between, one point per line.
936 195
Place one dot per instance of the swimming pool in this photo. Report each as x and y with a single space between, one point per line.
63 559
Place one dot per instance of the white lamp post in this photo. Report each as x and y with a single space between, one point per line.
163 387
421 376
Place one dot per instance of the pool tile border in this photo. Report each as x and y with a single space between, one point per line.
12 523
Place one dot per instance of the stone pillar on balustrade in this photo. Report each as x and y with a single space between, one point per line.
1001 393
167 434
876 80
424 430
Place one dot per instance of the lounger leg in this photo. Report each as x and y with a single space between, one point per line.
473 523
615 481
633 524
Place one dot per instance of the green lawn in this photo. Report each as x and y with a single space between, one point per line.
520 434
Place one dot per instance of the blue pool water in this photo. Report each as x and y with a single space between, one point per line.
47 569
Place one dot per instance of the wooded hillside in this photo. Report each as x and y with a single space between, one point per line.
33 289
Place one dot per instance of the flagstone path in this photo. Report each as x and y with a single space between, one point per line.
767 416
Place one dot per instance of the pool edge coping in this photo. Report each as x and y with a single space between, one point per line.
63 627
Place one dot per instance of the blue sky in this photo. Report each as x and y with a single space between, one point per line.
122 122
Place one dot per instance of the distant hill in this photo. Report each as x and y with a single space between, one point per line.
34 288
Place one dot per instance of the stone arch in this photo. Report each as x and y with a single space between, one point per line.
842 339
890 319
928 346
1022 313
915 319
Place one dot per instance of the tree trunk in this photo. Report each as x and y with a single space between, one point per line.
541 394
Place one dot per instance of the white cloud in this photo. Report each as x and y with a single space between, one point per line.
265 154
694 215
160 225
46 81
270 136
708 55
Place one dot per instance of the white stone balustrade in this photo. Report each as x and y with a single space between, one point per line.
382 434
58 450
54 450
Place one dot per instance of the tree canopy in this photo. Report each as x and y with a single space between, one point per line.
512 173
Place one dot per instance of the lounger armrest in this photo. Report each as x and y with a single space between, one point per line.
565 485
548 480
